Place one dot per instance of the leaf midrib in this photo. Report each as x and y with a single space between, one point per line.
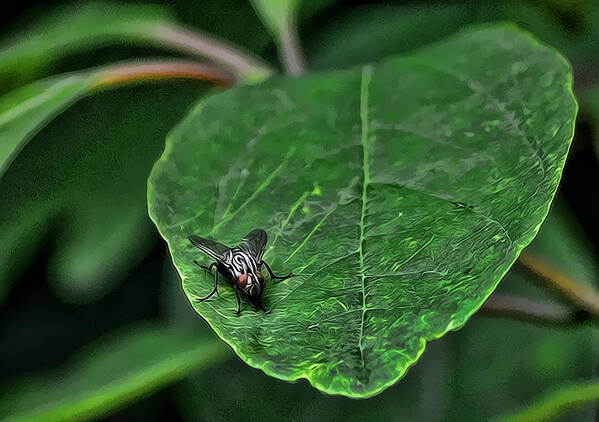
364 85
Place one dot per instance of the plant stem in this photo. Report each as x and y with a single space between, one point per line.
290 50
245 67
581 296
133 72
529 310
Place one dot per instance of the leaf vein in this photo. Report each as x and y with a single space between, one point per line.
254 194
365 83
479 88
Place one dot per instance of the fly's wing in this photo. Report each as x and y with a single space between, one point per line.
254 243
211 248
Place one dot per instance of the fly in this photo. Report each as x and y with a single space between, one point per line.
240 266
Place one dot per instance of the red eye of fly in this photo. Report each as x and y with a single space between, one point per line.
242 279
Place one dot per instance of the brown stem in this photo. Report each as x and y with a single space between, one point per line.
244 67
529 310
581 296
160 69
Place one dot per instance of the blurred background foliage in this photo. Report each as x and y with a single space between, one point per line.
93 319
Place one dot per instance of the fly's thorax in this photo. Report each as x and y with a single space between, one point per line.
245 270
251 284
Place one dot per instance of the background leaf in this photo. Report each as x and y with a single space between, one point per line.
453 381
105 376
557 402
367 33
25 111
276 14
72 30
79 188
389 249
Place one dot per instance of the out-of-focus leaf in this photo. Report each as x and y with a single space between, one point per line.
562 242
82 180
103 377
370 33
235 392
311 9
276 14
399 194
510 362
25 111
557 402
74 29
590 104
444 386
481 371
513 361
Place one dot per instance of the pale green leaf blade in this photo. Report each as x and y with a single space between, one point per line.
276 14
106 376
400 194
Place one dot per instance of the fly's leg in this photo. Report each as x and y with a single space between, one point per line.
215 285
258 306
276 277
238 301
209 269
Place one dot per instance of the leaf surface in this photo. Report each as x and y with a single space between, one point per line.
399 194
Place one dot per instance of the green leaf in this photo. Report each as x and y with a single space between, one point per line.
590 105
512 362
276 14
368 33
508 360
557 402
538 358
453 381
562 242
74 29
79 187
398 194
27 110
106 376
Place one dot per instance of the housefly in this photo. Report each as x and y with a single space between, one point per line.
240 266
